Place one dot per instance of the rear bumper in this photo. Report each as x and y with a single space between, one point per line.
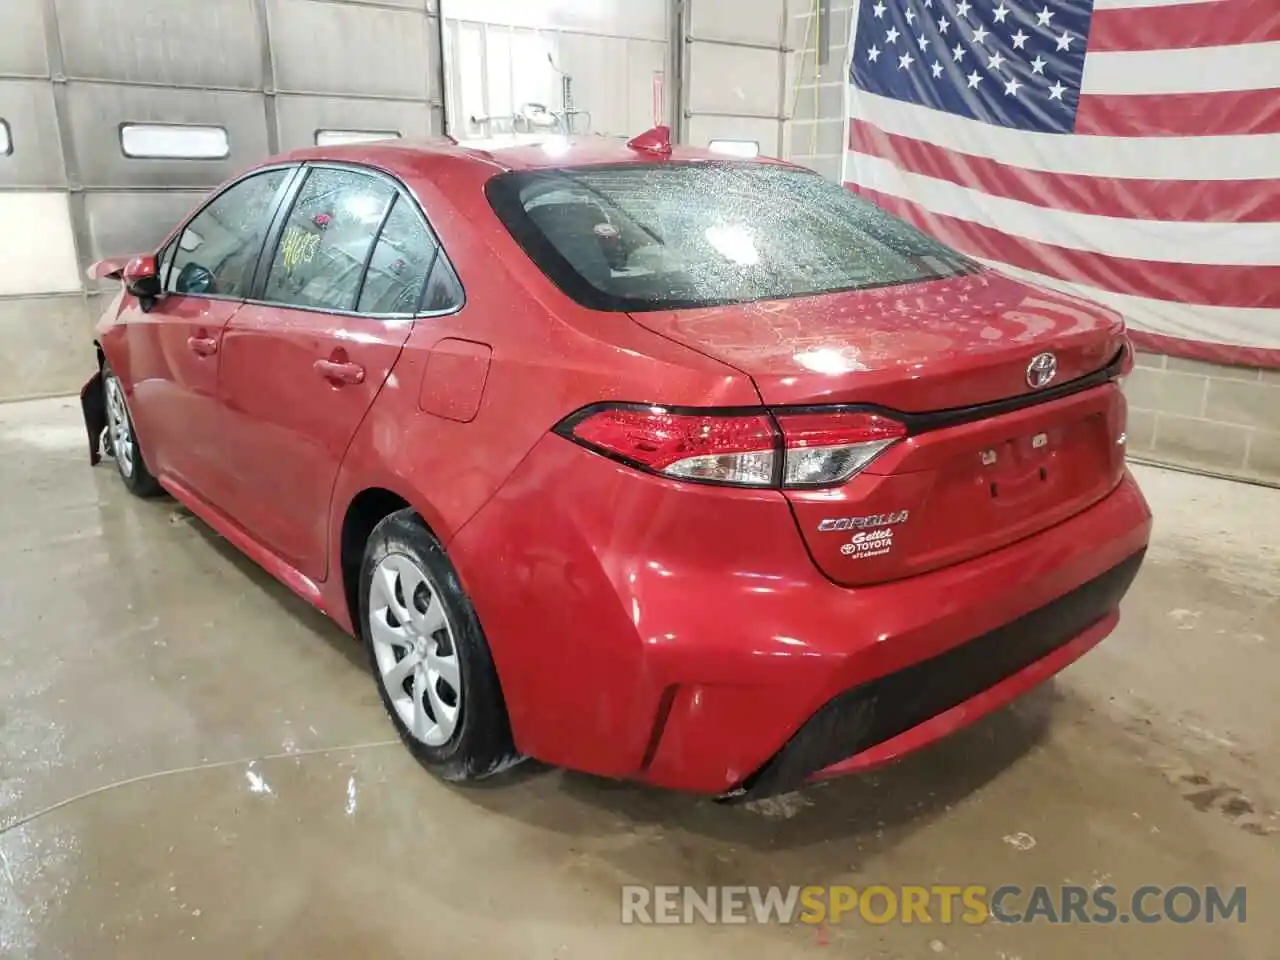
875 722
681 635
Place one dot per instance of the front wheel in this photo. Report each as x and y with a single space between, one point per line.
433 667
124 440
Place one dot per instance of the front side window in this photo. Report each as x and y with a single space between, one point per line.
320 259
165 261
217 252
670 235
400 263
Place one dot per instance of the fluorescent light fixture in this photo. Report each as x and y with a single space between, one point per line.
174 141
6 142
338 138
736 148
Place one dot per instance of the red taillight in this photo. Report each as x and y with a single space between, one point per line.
742 449
831 446
733 449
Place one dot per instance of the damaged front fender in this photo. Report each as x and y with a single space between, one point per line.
93 405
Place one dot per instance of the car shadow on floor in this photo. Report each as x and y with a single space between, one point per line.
658 836
290 603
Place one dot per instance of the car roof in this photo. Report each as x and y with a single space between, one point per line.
410 158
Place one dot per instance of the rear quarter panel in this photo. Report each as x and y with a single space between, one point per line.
549 358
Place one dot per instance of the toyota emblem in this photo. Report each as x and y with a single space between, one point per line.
1041 370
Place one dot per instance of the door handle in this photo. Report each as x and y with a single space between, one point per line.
340 373
203 346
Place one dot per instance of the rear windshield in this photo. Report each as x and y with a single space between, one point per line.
671 235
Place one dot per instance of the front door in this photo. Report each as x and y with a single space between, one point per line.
302 364
174 348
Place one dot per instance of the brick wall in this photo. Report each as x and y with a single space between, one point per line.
816 94
1205 415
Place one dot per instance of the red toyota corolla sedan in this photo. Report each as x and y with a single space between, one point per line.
641 462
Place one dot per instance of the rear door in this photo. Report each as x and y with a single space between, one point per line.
207 270
304 360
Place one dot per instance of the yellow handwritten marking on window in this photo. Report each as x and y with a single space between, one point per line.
298 247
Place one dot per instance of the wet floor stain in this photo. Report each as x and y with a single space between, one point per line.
1208 796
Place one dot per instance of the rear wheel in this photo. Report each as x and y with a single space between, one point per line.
124 441
430 658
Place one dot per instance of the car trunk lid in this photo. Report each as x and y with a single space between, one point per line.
953 342
995 452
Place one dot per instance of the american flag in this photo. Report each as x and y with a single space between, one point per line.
1124 150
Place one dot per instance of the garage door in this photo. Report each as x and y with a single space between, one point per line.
734 74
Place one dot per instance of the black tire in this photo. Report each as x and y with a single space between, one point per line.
133 470
481 743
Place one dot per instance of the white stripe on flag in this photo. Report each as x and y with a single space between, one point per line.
1248 66
1255 157
1127 4
1238 326
1170 241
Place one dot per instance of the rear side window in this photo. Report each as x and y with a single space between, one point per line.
320 258
669 235
444 290
399 265
217 252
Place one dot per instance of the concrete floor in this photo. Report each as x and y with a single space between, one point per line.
194 764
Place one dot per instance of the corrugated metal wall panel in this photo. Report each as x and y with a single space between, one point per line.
45 344
271 73
642 19
733 80
407 4
130 222
23 51
36 161
735 72
342 48
207 62
98 110
299 117
196 43
598 66
737 21
703 129
36 244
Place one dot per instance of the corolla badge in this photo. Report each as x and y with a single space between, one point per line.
863 523
1041 370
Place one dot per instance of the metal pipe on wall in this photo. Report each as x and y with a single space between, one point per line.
676 103
441 70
